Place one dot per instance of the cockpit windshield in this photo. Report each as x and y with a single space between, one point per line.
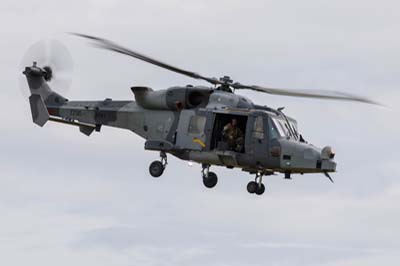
281 127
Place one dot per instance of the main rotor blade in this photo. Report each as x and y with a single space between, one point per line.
319 94
109 45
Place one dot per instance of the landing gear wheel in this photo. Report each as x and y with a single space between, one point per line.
252 187
260 189
211 180
156 169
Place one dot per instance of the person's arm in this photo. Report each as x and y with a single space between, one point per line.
225 130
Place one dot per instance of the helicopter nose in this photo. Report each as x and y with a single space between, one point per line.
327 153
306 158
326 163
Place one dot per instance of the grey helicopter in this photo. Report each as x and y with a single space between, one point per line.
212 126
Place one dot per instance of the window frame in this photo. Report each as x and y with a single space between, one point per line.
258 128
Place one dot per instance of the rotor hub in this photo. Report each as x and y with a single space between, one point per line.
226 80
48 73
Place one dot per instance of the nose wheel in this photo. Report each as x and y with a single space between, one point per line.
210 179
256 186
157 168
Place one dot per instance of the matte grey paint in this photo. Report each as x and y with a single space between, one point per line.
163 117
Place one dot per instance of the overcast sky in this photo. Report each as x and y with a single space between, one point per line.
68 199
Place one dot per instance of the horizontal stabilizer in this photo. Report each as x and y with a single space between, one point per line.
38 110
84 128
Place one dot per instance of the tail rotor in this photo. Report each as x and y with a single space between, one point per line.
55 59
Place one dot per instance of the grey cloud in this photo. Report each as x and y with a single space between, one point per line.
68 199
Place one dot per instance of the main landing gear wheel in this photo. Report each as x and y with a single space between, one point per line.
260 189
256 186
157 168
210 179
252 187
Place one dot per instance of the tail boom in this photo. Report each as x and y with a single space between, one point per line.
48 105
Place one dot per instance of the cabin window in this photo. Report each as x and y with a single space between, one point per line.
196 125
258 130
273 130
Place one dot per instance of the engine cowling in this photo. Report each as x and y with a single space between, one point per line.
175 98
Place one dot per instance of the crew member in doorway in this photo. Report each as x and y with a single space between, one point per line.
233 136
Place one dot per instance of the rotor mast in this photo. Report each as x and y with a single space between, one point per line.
225 85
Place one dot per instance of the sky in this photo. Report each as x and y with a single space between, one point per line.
68 199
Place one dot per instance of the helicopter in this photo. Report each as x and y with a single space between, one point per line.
189 122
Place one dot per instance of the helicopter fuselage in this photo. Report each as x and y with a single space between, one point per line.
211 126
187 122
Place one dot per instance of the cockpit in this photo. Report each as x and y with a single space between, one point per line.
283 127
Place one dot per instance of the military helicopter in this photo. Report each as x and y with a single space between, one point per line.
188 122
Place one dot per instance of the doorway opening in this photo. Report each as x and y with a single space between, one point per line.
220 141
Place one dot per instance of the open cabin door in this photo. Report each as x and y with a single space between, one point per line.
221 120
258 139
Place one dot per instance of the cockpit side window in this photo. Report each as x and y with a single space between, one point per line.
294 128
273 130
287 129
284 129
279 127
258 130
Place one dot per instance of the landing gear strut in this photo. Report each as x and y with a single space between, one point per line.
210 179
256 186
157 168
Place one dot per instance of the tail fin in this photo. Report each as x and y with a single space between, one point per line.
41 95
40 115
